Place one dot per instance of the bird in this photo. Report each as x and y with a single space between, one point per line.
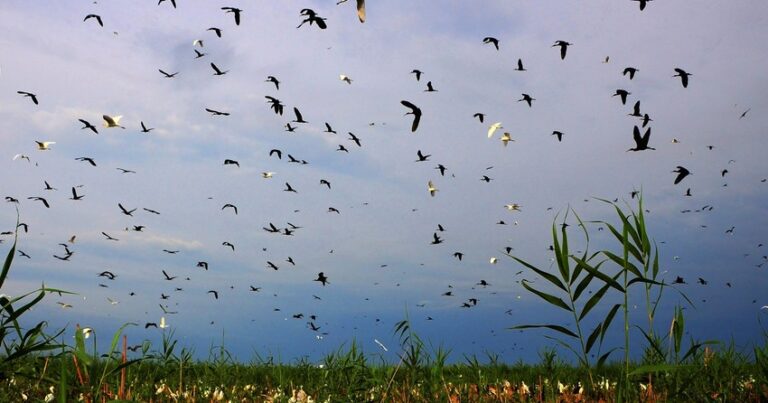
458 255
326 183
197 42
493 128
429 87
168 75
75 196
312 17
228 244
217 113
441 168
623 94
109 238
108 274
563 47
636 110
112 121
214 292
479 116
235 11
702 281
431 188
345 78
744 113
216 71
288 188
631 71
273 80
88 125
203 265
126 212
646 119
422 157
360 9
267 175
232 206
683 76
40 199
641 142
417 73
322 279
491 40
151 211
558 134
642 3
415 111
231 162
681 174
173 2
520 65
329 129
48 186
95 16
255 289
506 138
299 118
513 207
486 179
354 138
199 54
436 239
31 96
527 98
44 145
86 159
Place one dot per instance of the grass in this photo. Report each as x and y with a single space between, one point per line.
35 367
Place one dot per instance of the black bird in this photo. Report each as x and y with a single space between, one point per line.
429 87
31 96
702 281
631 71
199 54
436 239
216 70
109 238
642 3
527 98
354 138
723 172
217 113
232 206
520 65
636 110
45 202
333 210
745 113
126 171
276 105
688 192
272 265
683 76
235 11
299 118
563 48
646 119
145 129
492 40
75 196
458 255
288 188
202 264
22 254
479 116
422 157
681 174
173 2
151 211
48 186
86 159
415 111
255 289
168 75
171 252
290 260
641 142
418 73
329 129
108 274
126 212
312 17
215 293
150 324
325 182
276 151
88 125
272 79
623 94
486 179
229 244
322 278
441 168
290 128
271 228
97 17
231 162
215 30
558 134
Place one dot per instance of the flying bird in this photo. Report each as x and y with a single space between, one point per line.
217 113
422 157
520 65
631 71
235 11
418 73
623 94
345 78
228 244
642 3
273 80
322 279
299 118
641 142
491 40
479 116
312 17
44 145
203 265
527 98
88 125
683 76
563 48
415 111
31 96
493 128
430 88
112 121
558 134
681 174
216 71
231 162
168 75
215 293
75 196
232 206
431 188
40 199
86 159
126 212
97 17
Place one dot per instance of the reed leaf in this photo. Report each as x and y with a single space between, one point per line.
547 297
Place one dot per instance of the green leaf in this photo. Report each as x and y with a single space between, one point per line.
601 360
607 321
547 297
696 346
557 328
549 277
623 263
583 284
11 253
593 337
558 254
591 302
653 368
654 343
602 276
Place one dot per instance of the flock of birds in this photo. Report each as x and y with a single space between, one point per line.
413 116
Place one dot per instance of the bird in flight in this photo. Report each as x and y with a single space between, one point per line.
75 196
312 17
345 78
96 17
40 199
431 188
228 244
168 75
215 30
31 96
493 128
232 206
520 65
631 71
623 94
563 48
642 3
88 125
641 142
112 121
299 118
430 88
418 73
231 162
527 98
681 174
215 293
558 134
436 239
235 11
273 80
44 145
217 113
415 111
422 157
126 212
491 40
109 238
322 279
126 171
217 71
683 76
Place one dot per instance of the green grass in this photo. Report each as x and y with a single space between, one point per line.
35 367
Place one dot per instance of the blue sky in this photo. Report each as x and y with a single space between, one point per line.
376 251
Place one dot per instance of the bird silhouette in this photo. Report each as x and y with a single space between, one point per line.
31 96
216 113
681 174
415 111
235 11
217 71
312 17
631 71
322 279
520 65
641 142
94 16
683 76
417 73
145 129
623 94
125 211
168 75
491 40
527 98
558 134
563 48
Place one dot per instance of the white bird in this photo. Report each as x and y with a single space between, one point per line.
163 325
494 260
267 175
112 121
22 156
44 145
513 207
493 128
344 78
432 189
112 301
506 138
198 42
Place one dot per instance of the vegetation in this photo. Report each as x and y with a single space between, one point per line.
34 367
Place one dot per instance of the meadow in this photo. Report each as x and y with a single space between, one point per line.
38 365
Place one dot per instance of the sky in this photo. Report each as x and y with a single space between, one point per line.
377 250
